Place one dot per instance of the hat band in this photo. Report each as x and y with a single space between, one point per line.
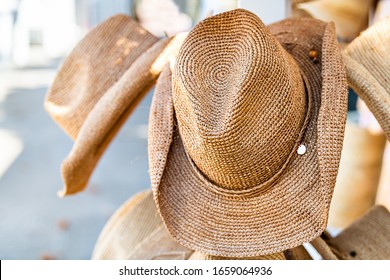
253 191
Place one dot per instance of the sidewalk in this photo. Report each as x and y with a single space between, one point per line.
34 222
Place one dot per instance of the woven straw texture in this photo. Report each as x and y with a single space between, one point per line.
367 238
97 88
349 16
359 174
367 63
234 91
136 232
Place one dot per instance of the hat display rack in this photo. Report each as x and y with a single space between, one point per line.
250 149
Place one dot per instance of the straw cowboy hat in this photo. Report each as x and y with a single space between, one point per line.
350 16
245 134
99 85
367 63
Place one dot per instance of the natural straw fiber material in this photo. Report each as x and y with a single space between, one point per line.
113 100
223 93
367 63
136 232
359 174
367 238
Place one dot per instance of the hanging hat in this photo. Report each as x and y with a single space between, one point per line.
245 135
350 16
367 64
99 85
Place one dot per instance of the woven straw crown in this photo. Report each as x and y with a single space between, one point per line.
224 129
239 123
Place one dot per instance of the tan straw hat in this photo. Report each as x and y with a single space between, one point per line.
350 16
99 85
245 137
367 62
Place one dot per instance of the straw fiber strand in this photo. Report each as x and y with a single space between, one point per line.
249 216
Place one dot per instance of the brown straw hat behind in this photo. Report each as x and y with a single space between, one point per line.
367 62
99 85
245 135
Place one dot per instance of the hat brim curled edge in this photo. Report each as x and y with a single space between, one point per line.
291 212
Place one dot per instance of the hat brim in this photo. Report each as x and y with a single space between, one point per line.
292 211
368 70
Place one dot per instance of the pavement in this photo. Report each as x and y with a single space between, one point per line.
34 222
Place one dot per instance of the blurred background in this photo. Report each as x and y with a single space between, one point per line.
35 37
